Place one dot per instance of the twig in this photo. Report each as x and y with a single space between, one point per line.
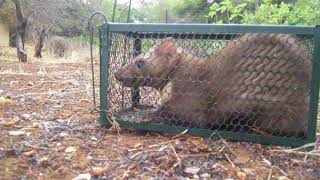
175 153
69 119
282 171
270 173
137 154
194 155
226 155
296 152
301 147
226 144
160 144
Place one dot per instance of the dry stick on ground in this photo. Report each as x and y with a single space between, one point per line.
227 145
178 159
229 160
270 173
297 152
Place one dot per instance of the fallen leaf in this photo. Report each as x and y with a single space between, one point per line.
241 175
10 123
295 162
89 117
99 171
243 156
258 147
30 153
83 101
30 84
5 101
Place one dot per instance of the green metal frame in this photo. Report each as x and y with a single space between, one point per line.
314 31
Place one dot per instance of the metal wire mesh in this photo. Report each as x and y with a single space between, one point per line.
252 83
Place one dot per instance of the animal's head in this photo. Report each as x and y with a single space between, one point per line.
152 68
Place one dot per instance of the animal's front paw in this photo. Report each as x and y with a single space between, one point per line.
149 116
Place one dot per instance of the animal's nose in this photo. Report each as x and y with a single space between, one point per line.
116 74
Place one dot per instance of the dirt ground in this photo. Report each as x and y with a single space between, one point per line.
47 132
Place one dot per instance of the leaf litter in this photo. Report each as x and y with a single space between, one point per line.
47 131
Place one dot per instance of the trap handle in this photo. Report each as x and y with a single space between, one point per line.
95 107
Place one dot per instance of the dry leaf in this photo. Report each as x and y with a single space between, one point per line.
89 117
99 171
243 156
30 153
83 101
5 101
11 122
241 175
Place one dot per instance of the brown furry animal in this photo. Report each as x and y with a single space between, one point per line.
258 82
60 46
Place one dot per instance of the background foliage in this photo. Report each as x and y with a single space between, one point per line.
69 18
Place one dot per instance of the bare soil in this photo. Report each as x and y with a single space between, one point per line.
47 132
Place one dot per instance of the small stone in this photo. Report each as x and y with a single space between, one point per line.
70 150
310 170
30 84
63 134
94 138
26 116
58 144
36 125
43 162
195 176
192 170
16 133
205 175
86 176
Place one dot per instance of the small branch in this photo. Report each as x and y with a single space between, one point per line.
296 152
226 155
270 173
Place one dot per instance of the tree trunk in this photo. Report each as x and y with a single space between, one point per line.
20 33
2 2
40 40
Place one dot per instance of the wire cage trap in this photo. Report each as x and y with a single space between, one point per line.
243 82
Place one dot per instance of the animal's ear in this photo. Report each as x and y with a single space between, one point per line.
167 46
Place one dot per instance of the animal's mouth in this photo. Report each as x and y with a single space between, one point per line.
128 81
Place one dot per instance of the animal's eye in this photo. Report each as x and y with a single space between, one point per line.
140 64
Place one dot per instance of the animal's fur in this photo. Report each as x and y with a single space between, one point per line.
60 46
257 80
